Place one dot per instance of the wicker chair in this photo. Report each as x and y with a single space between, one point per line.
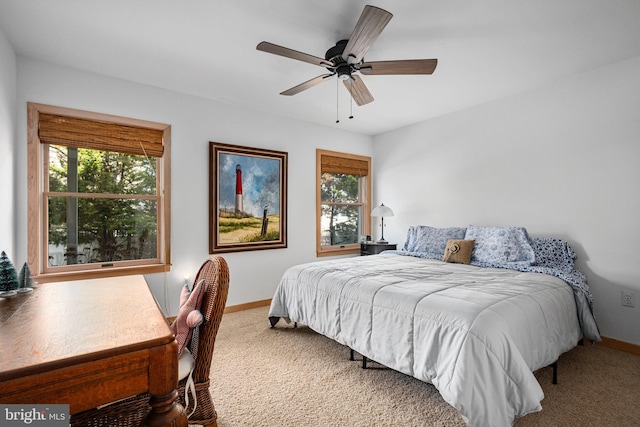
131 411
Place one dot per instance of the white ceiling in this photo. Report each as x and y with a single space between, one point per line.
486 49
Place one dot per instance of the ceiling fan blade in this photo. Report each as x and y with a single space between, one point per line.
367 29
358 90
306 85
293 54
408 66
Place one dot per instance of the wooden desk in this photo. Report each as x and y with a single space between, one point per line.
87 343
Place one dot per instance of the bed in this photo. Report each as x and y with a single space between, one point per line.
476 328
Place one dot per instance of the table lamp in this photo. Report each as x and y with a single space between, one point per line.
382 211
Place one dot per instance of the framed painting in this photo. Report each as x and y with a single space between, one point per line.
248 198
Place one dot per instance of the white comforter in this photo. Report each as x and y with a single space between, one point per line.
475 333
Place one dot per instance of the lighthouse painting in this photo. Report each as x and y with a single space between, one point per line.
248 196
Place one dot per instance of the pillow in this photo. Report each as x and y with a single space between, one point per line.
500 246
189 316
431 240
458 251
553 253
186 362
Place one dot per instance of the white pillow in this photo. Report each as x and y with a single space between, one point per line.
186 362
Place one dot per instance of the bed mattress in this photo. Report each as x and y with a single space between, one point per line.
476 334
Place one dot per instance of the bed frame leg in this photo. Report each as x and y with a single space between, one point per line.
273 320
352 357
554 366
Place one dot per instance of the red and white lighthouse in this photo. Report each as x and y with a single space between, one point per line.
239 207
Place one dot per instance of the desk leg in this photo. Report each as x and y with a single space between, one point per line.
163 379
166 411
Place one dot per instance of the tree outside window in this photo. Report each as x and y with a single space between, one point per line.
120 224
341 209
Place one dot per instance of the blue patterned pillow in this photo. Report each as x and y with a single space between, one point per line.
431 241
500 246
553 253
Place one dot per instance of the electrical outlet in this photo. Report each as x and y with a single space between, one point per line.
628 299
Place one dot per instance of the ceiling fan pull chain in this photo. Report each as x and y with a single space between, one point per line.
351 99
337 103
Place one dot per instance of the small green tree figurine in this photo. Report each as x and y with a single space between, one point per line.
8 277
25 282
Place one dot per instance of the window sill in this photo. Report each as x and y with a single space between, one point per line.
335 251
92 274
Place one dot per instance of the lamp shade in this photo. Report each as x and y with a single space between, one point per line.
381 211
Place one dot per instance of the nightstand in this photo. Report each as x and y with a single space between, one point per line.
376 248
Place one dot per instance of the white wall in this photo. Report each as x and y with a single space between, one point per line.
195 122
7 143
562 161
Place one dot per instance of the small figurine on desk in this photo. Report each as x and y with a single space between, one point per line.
25 282
8 277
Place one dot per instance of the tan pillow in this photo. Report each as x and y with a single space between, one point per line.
458 251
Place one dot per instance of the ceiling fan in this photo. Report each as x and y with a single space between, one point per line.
346 58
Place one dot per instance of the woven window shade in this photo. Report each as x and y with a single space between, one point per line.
331 164
97 135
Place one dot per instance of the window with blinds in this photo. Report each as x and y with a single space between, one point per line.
100 195
343 194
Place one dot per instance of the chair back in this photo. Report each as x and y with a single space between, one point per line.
215 272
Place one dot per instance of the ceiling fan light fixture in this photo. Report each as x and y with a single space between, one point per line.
344 72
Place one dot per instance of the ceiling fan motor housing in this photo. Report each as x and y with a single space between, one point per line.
341 67
334 54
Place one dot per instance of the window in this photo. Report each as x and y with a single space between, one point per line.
343 194
99 198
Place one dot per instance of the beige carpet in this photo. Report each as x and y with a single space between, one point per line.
295 377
